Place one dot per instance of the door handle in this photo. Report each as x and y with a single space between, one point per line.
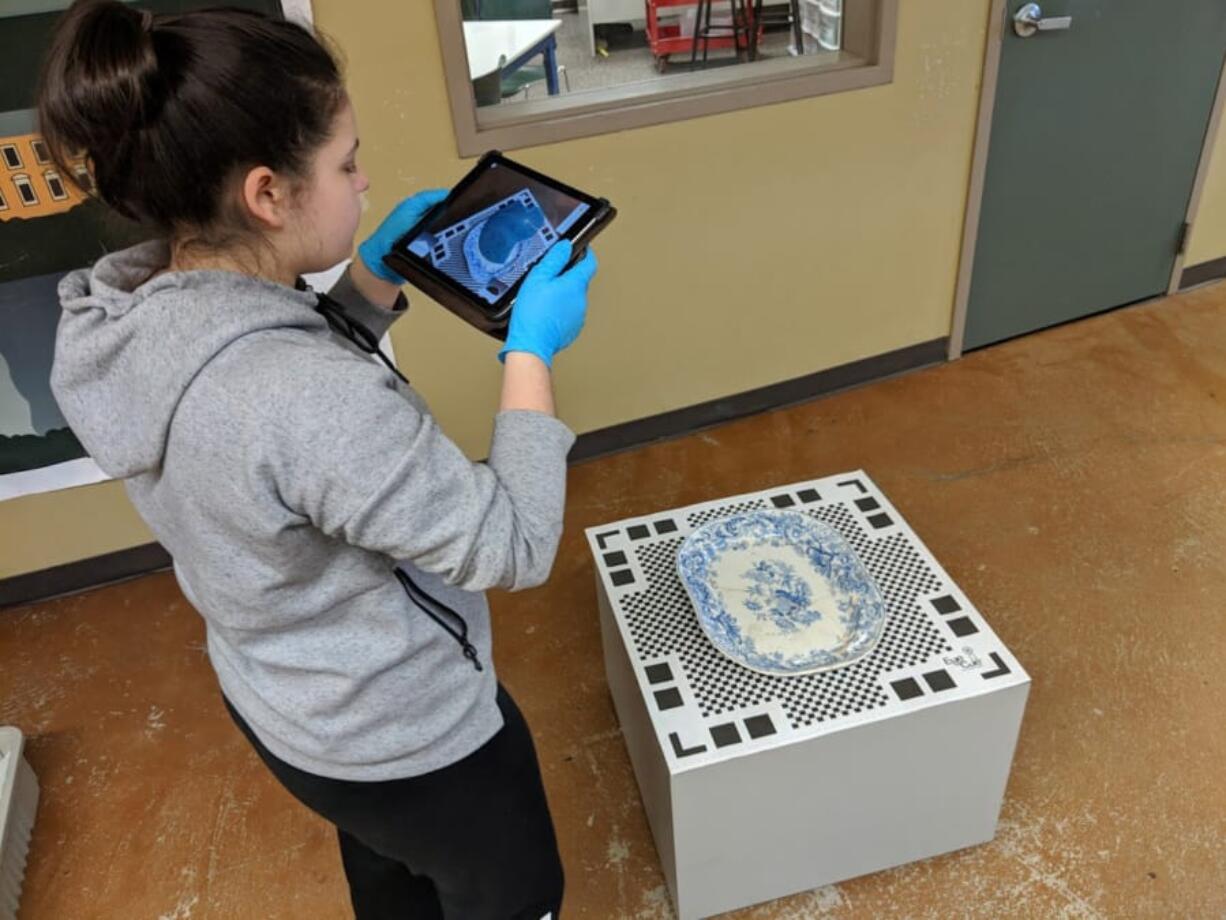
1029 19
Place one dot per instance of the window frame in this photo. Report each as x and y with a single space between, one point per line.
49 176
867 59
39 146
5 149
83 180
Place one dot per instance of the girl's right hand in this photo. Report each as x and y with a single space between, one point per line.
551 307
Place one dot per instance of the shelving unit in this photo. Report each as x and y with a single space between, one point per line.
821 22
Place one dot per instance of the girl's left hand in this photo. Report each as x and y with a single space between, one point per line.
394 226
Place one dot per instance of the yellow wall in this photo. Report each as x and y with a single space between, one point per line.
751 247
1208 239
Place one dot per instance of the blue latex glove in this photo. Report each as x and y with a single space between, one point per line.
551 307
394 226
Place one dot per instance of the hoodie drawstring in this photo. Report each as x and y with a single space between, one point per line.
346 326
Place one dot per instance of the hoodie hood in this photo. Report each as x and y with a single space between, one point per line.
127 349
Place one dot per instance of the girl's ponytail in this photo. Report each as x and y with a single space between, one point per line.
100 86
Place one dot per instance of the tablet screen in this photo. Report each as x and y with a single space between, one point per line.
495 229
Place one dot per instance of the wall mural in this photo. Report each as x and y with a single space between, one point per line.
49 225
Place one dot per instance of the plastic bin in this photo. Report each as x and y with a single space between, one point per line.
822 21
18 803
830 24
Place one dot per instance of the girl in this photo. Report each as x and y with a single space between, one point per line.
298 484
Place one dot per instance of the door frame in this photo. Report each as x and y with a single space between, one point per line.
997 24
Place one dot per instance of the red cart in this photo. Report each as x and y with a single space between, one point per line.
666 39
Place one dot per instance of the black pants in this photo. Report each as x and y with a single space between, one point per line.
472 841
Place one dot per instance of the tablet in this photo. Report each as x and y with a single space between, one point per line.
472 250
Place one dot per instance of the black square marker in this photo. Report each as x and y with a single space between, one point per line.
638 532
726 734
759 726
666 526
867 504
612 559
809 495
963 626
946 604
907 688
622 577
669 698
939 680
782 501
659 673
881 520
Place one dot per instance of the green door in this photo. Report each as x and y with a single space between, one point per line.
1096 136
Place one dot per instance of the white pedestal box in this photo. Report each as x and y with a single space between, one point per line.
758 786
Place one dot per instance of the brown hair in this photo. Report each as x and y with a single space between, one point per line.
167 109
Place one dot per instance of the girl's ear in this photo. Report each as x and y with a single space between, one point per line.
266 197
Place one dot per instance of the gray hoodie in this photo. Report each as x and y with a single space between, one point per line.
286 473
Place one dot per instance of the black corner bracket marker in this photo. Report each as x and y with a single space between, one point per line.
857 484
1001 668
601 537
682 751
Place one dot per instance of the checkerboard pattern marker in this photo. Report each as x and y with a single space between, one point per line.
720 701
662 622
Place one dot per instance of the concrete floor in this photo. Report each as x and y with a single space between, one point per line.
1072 482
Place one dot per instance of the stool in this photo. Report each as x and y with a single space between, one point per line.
762 19
740 22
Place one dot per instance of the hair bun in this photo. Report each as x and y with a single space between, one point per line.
100 83
111 66
166 107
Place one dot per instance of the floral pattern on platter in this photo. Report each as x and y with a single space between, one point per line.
778 593
781 592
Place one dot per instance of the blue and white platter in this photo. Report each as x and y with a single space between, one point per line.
781 592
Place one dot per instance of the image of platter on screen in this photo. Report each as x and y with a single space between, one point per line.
495 229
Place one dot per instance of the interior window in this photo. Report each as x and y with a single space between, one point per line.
515 64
